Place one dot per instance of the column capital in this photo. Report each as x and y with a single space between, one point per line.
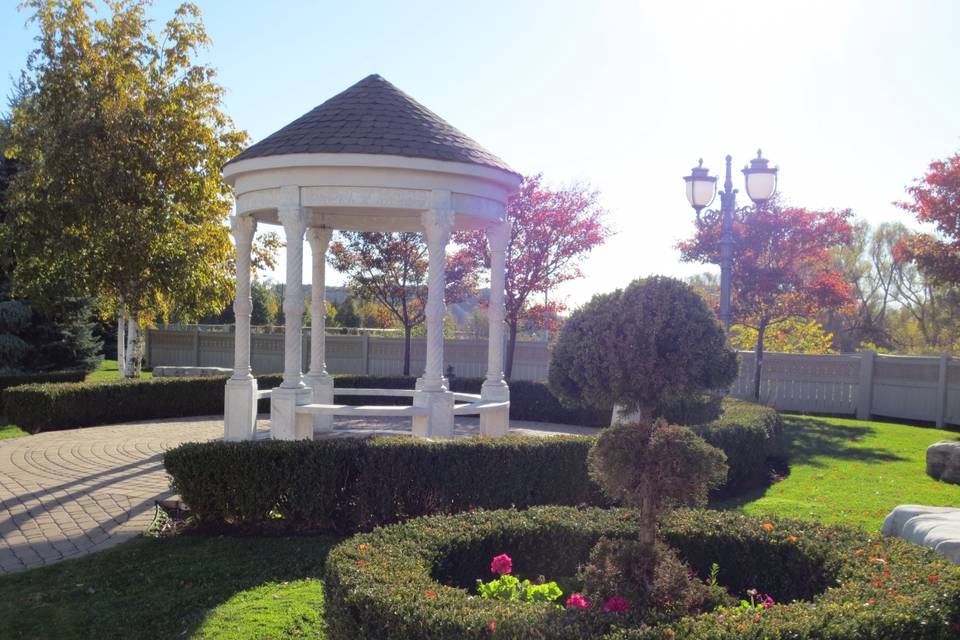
319 238
498 235
291 217
437 224
243 228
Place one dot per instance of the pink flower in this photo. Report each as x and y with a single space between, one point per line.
577 601
767 601
616 605
501 564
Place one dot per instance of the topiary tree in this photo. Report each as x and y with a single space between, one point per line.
641 348
653 466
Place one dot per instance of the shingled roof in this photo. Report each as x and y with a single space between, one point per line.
374 117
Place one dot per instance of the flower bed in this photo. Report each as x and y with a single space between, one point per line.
412 580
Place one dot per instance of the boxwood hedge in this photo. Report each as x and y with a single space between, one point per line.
346 485
44 407
408 581
17 379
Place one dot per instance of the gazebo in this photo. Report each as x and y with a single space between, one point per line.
369 159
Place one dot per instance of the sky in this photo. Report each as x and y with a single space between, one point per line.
850 98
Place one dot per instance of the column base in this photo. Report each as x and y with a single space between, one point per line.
240 409
495 423
438 423
321 392
419 386
495 391
285 424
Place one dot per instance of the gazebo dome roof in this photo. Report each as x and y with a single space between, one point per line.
374 117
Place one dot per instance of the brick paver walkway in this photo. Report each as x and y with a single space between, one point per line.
68 493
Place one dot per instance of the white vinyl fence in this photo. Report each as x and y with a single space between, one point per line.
865 384
351 354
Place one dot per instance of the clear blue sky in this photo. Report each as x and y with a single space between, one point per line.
851 98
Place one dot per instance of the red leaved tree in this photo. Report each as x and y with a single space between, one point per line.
391 268
553 230
936 200
781 265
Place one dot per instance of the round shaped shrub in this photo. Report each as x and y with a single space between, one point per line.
641 348
411 581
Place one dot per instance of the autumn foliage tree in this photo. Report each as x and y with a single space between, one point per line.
782 266
553 231
119 137
935 199
391 269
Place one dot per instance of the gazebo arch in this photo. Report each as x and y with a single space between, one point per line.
368 159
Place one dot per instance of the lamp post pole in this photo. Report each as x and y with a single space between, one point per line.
761 183
728 204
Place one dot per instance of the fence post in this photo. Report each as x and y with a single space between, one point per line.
942 390
196 346
148 347
365 351
865 387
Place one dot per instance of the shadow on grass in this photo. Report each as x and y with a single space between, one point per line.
150 588
815 443
809 440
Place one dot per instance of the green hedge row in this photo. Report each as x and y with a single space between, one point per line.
77 375
409 581
345 485
44 407
351 484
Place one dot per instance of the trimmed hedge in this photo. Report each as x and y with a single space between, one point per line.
355 484
748 433
44 407
77 375
408 581
346 485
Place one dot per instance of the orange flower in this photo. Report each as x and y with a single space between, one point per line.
792 539
361 564
858 552
768 526
363 546
756 618
492 626
431 594
933 578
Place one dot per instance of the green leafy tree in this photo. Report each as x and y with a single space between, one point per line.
795 335
347 315
641 348
119 137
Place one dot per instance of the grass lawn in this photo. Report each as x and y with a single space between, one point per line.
108 372
10 430
852 472
184 587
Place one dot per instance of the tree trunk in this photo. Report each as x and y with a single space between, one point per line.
134 351
407 332
758 364
121 340
511 345
648 521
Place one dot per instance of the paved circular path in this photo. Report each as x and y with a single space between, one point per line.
68 493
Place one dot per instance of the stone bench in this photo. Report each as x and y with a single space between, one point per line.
187 372
934 527
943 461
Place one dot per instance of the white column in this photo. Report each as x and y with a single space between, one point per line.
437 224
244 228
495 389
432 394
498 237
291 392
319 381
294 227
240 403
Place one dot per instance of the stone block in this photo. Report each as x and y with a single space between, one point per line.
943 461
935 527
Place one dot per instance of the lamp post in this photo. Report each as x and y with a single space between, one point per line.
761 183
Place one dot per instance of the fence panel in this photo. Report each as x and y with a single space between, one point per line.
908 387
